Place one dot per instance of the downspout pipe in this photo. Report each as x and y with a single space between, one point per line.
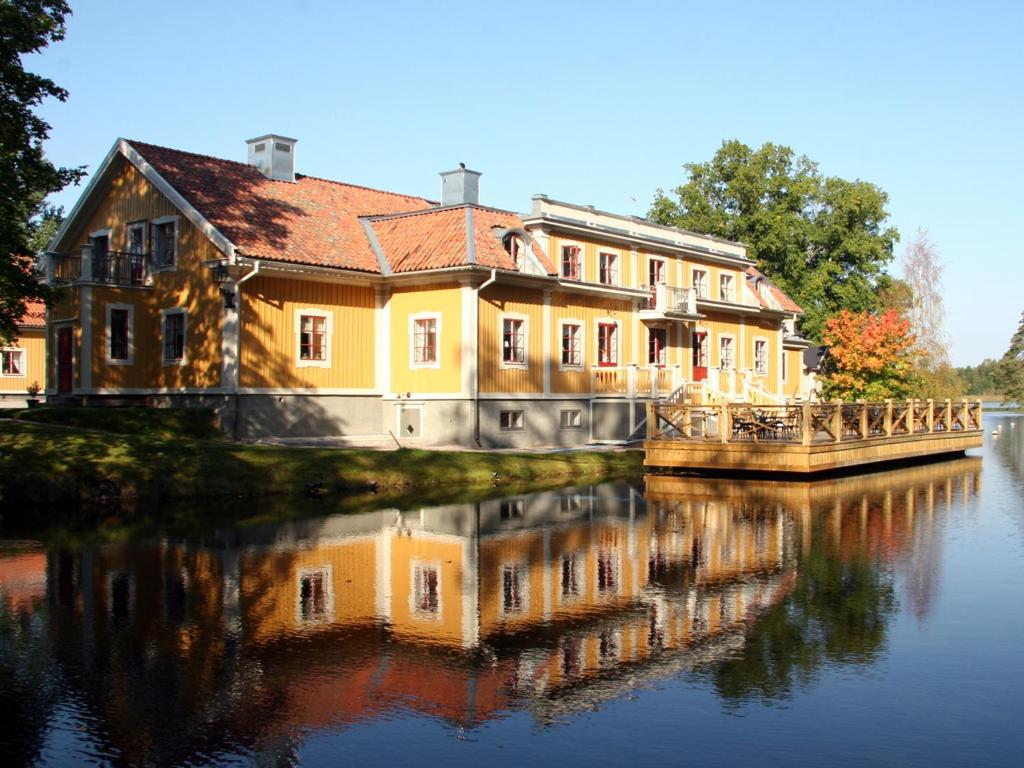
476 348
238 345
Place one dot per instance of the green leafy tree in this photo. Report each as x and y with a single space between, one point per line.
1010 372
822 239
26 176
980 379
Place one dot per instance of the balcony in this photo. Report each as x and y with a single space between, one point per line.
668 303
100 267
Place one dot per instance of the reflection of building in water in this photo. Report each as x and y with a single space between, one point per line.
551 601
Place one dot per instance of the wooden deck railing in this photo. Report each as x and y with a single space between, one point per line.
810 423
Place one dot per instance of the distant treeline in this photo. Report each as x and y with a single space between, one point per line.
980 379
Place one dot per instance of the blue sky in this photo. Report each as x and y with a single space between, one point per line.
595 103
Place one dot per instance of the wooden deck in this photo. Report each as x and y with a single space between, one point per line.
809 437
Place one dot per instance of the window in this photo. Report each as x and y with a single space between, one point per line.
657 341
609 268
655 272
761 357
572 575
514 593
119 334
571 262
512 509
607 571
174 336
12 362
316 595
572 345
700 283
725 288
511 420
726 356
572 418
425 332
700 349
513 342
137 238
607 344
165 243
313 337
426 591
514 247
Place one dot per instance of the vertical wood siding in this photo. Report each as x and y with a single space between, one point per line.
269 341
496 302
33 342
445 300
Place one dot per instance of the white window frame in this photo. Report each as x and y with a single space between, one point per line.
727 287
695 284
130 360
327 573
525 320
328 317
732 338
598 322
582 261
142 225
416 567
184 335
572 423
758 370
579 568
516 424
436 317
616 263
615 561
582 344
173 266
24 363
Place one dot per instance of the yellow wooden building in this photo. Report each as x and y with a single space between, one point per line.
301 307
23 361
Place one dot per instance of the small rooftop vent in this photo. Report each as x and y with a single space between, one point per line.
460 186
274 156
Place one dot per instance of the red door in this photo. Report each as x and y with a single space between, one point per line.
65 360
700 355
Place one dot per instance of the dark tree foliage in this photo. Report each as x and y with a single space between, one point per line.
1010 373
26 176
980 379
822 239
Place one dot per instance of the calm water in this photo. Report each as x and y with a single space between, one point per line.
875 620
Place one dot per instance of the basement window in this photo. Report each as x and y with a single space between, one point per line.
511 421
571 418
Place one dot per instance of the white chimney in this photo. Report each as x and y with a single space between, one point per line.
274 156
460 186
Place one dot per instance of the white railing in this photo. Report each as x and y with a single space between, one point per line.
665 298
634 381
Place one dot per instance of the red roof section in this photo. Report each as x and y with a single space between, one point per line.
35 315
308 221
438 238
786 303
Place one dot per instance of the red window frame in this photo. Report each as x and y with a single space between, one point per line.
313 337
657 342
513 341
607 345
424 340
571 262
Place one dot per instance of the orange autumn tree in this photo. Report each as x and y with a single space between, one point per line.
870 357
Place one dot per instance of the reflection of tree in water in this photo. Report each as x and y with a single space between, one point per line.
837 613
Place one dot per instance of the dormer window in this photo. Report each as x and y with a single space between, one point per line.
571 262
514 247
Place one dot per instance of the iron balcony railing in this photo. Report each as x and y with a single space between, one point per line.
105 267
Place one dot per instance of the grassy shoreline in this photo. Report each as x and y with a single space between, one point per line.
56 463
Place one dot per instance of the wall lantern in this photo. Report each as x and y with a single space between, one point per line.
220 277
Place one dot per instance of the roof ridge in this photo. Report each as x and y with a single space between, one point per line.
204 156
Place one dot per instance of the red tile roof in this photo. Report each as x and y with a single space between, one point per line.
784 302
35 315
438 238
309 221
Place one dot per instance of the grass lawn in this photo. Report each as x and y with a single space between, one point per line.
86 455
